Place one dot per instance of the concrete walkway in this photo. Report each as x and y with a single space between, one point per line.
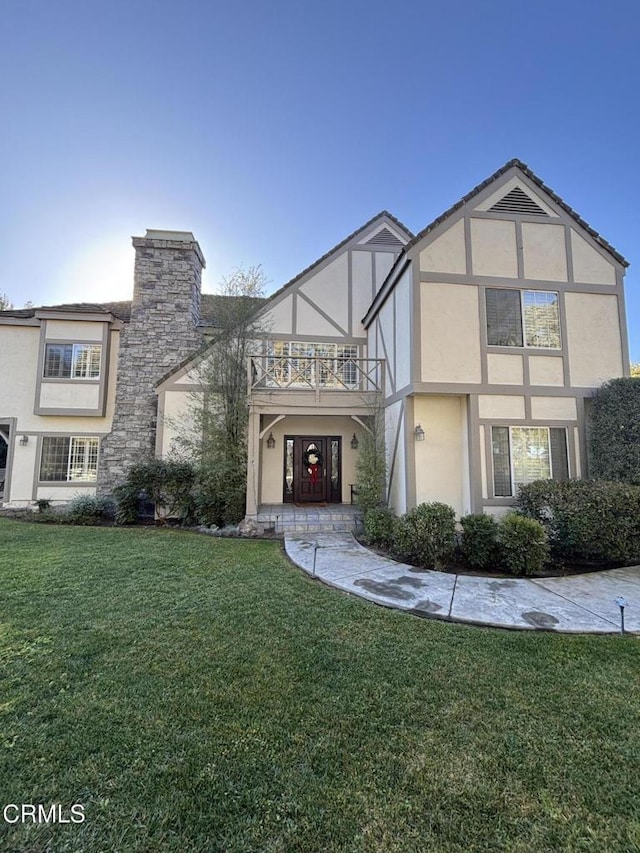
577 604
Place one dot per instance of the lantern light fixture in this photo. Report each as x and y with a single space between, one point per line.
354 442
419 433
24 439
271 442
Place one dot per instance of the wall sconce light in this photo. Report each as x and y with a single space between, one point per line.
24 439
271 442
419 433
354 442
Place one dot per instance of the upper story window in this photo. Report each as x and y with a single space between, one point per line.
302 362
522 318
72 361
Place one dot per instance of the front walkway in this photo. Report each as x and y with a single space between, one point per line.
577 604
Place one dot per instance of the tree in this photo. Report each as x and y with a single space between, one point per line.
5 303
635 368
614 441
217 438
371 468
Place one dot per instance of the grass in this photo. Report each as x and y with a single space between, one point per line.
198 694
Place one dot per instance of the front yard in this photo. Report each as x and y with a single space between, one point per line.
198 694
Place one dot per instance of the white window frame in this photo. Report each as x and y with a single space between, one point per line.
78 446
77 349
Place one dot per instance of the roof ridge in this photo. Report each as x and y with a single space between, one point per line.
382 213
523 167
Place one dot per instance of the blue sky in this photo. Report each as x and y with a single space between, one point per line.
272 130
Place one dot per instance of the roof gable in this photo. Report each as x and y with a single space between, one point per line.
532 186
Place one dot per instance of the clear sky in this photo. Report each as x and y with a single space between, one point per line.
274 129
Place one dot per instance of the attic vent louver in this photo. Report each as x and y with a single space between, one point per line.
385 238
518 201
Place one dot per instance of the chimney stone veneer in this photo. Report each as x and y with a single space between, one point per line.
162 332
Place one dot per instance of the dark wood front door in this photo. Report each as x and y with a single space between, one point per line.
316 465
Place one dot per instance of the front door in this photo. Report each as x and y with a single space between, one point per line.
312 469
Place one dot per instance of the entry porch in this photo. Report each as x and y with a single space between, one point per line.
296 518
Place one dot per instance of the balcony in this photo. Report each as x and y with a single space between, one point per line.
316 374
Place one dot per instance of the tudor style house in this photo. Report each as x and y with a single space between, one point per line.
482 337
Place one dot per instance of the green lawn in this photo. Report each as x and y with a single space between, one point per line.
198 694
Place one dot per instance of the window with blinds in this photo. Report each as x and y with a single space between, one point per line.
522 318
72 361
524 454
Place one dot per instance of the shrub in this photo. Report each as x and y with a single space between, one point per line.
89 509
426 535
219 493
614 435
586 519
168 485
480 541
380 527
524 544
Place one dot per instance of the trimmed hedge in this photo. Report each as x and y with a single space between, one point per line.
614 436
426 535
479 545
586 519
380 527
524 544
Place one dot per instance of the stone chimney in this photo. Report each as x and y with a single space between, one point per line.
162 332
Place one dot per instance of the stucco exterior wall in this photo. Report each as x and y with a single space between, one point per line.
493 247
505 369
594 339
441 460
450 328
446 253
73 330
544 251
395 458
589 265
19 371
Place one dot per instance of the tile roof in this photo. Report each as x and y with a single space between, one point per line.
212 306
539 183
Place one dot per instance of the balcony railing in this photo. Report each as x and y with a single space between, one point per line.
315 373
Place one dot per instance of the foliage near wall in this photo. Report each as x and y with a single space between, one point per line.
216 437
614 440
586 519
371 467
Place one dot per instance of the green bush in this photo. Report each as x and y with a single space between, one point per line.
380 527
219 493
479 544
523 543
426 535
614 434
89 509
168 484
586 519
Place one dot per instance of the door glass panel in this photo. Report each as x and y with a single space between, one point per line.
335 463
288 467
